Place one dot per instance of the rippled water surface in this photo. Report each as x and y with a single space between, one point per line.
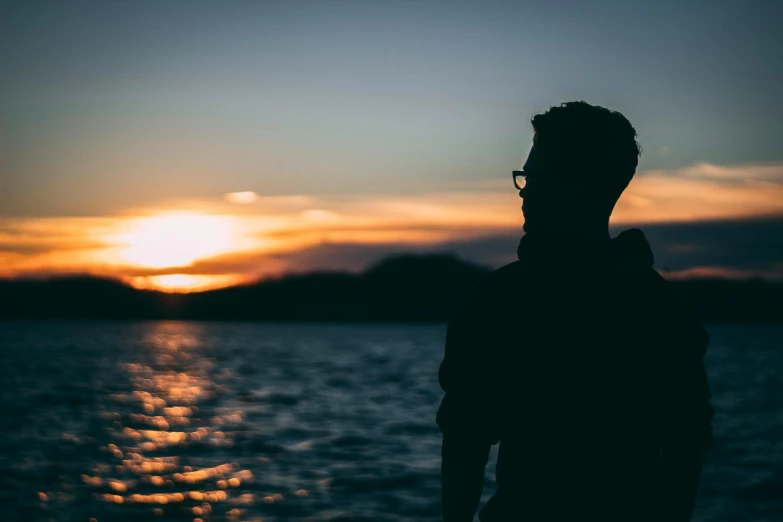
217 421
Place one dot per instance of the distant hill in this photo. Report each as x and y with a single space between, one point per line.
400 288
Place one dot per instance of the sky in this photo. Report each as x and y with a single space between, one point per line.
187 145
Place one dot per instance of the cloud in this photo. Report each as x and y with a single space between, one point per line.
51 245
748 247
702 192
732 248
751 245
700 217
241 198
771 174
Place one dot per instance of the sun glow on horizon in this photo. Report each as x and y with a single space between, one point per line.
184 282
171 240
198 244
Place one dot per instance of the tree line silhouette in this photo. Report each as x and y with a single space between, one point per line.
401 288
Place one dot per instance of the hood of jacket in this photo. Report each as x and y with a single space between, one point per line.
629 250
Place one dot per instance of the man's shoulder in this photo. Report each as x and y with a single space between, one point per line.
495 288
500 278
491 297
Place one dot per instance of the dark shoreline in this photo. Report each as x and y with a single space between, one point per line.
401 289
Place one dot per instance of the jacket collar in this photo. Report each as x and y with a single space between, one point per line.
630 248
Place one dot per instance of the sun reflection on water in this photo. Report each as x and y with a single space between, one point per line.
162 425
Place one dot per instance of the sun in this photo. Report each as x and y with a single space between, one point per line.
174 240
185 282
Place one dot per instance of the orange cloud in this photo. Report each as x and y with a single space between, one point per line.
206 243
702 192
241 198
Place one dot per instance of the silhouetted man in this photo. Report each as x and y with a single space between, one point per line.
577 358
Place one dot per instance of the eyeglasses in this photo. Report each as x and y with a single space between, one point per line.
519 179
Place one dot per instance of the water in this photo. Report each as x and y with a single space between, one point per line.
218 421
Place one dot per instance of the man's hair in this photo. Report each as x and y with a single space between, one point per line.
575 139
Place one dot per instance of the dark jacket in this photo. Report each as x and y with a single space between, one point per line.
587 369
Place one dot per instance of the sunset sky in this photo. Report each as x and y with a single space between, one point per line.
188 145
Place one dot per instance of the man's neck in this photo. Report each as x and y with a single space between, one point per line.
580 233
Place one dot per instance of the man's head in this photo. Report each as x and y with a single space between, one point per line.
582 159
